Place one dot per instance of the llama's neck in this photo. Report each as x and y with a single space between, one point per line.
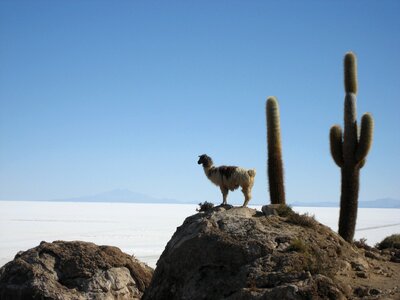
208 169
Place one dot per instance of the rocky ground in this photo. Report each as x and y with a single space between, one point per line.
239 253
219 253
73 270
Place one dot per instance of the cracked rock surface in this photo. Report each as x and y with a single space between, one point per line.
240 253
73 270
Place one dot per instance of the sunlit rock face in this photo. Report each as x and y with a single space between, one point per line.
73 270
241 253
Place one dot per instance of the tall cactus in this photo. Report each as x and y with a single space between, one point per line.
275 165
349 149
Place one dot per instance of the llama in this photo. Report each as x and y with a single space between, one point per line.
229 178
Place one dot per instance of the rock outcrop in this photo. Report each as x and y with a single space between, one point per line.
240 253
73 270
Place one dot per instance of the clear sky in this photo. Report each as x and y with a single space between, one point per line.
100 95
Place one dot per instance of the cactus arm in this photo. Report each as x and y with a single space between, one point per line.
350 73
362 163
366 135
336 142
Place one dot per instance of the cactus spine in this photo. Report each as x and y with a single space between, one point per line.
275 165
349 150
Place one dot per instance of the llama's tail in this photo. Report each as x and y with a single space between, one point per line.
252 172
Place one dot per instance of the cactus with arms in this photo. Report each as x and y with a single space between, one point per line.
349 150
275 165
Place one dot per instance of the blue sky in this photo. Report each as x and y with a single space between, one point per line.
100 95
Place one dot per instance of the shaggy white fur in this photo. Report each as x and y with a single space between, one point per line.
229 178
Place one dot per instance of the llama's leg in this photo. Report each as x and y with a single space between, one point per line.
246 189
247 195
224 192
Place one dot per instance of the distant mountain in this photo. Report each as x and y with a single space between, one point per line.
127 196
379 203
314 204
118 195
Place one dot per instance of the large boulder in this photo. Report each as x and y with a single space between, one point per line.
240 253
73 270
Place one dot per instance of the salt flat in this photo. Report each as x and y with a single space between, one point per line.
139 229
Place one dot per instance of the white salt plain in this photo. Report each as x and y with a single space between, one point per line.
139 229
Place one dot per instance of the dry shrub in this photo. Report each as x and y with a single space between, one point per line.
362 244
304 220
297 245
206 206
284 210
390 242
292 217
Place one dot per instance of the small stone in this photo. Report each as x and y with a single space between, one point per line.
361 291
362 274
374 292
270 210
357 266
359 269
370 254
395 259
18 254
344 267
380 272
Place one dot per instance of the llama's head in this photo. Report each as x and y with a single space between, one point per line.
205 160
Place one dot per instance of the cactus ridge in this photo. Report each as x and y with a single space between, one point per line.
350 135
